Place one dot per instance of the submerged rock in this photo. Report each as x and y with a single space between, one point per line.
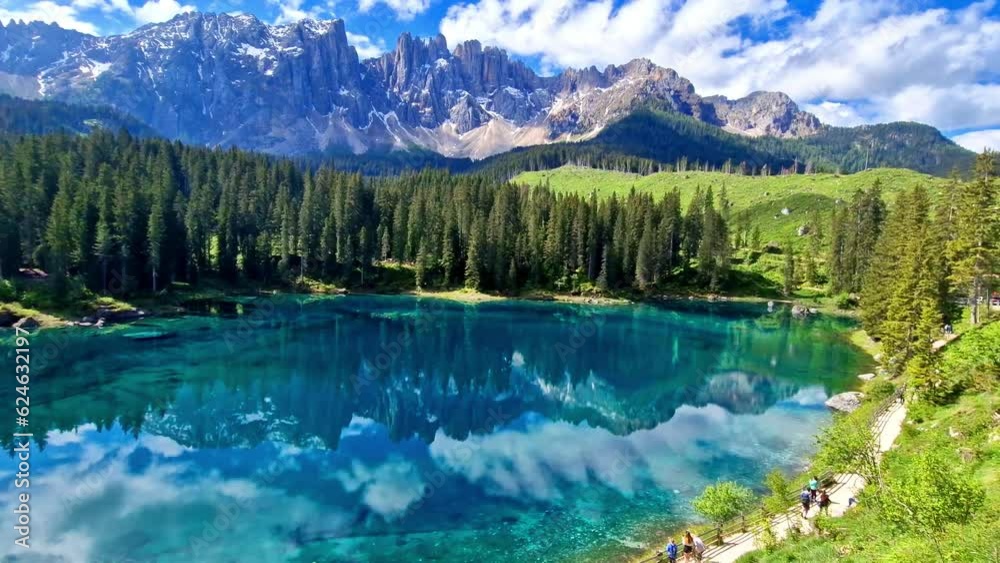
845 402
106 316
27 323
800 311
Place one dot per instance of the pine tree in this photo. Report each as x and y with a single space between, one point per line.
976 244
473 263
156 231
790 283
59 234
644 266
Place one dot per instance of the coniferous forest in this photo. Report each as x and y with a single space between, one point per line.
146 212
125 214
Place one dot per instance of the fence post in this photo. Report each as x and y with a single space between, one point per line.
744 517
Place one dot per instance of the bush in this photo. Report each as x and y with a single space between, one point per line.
927 493
848 445
879 390
845 301
8 292
723 501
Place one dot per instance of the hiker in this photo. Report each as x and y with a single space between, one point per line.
699 548
688 545
814 487
670 551
806 498
824 502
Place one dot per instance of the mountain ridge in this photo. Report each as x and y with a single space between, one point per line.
300 87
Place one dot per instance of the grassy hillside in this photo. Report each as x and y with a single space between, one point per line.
806 197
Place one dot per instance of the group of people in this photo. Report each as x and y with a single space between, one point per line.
693 549
813 494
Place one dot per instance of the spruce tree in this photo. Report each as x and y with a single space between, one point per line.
974 250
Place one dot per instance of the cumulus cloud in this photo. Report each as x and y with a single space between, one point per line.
979 140
852 61
97 503
66 16
404 9
538 461
291 11
367 47
388 489
155 11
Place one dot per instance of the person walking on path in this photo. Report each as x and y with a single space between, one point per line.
806 498
824 502
814 487
699 548
688 545
670 551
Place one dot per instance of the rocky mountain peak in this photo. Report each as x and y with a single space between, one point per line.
764 113
221 79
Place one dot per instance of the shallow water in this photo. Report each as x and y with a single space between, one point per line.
401 429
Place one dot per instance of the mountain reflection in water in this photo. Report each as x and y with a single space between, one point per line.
377 428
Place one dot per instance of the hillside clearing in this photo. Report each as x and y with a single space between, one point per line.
778 205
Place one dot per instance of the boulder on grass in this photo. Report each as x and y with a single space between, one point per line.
845 402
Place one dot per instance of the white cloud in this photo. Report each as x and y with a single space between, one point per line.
540 460
404 9
155 11
70 15
65 16
367 48
877 61
291 11
388 489
836 113
979 140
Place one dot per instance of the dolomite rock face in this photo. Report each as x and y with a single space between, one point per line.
217 79
764 113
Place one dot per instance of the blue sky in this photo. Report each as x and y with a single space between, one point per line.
849 62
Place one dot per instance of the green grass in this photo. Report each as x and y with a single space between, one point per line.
762 197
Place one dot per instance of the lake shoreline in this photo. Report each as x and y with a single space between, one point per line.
172 303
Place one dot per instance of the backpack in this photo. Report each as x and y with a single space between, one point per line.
805 496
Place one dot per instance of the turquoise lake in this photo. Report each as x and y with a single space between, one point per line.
390 429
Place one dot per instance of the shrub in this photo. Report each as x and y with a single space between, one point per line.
879 389
848 445
777 501
927 493
8 292
845 301
723 501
